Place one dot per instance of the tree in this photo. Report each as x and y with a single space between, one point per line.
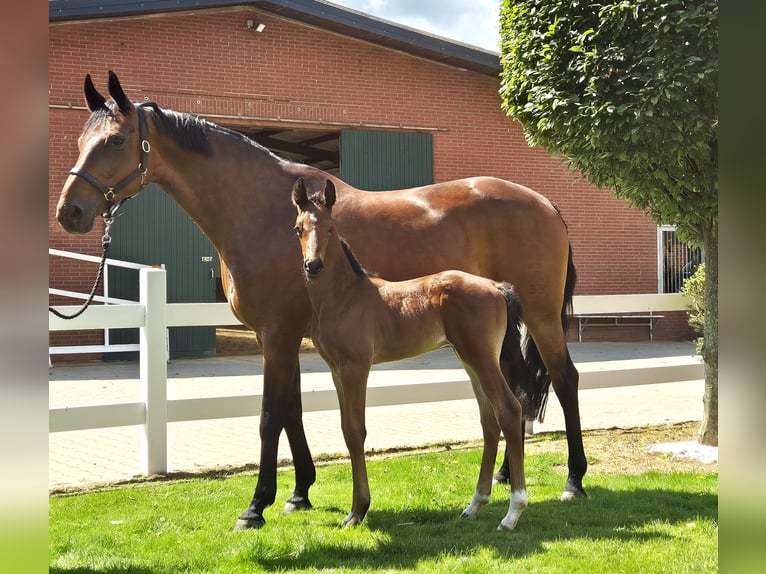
627 92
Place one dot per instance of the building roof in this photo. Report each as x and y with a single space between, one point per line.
317 13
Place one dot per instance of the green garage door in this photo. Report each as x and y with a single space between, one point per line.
152 229
378 161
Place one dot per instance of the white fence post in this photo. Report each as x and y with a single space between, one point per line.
153 370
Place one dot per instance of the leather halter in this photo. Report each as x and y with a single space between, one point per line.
110 192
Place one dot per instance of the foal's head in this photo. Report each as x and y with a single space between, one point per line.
314 224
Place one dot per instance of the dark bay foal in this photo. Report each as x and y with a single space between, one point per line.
360 320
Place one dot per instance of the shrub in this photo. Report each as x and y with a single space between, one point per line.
694 290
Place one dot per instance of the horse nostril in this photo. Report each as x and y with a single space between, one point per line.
313 267
75 212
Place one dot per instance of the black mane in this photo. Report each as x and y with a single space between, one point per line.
190 132
355 265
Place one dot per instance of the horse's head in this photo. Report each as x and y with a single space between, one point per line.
112 163
314 224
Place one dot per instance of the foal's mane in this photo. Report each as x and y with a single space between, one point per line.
355 265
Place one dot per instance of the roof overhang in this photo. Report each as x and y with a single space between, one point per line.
317 13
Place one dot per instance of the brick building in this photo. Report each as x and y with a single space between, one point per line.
299 76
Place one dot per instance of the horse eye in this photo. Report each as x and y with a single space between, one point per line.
298 231
117 141
330 230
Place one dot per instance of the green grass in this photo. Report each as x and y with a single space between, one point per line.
645 523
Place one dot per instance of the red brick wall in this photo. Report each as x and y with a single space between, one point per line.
208 63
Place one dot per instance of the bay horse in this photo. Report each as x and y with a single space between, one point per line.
238 193
359 320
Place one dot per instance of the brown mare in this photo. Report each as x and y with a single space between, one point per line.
359 320
238 193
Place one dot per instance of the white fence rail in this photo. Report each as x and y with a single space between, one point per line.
107 347
152 315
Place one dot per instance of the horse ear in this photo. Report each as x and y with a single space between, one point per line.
300 197
329 194
95 100
118 94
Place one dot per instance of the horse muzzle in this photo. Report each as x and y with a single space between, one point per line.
74 218
313 268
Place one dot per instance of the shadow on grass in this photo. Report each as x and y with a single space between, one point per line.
407 538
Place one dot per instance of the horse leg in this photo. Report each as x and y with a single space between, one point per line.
495 396
503 474
549 339
305 472
491 432
514 370
351 384
280 398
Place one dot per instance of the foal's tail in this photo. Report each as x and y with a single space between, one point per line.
538 398
515 369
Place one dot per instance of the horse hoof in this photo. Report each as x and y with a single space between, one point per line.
297 503
352 520
573 491
252 523
505 527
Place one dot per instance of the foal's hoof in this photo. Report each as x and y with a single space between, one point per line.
573 490
503 527
249 521
297 503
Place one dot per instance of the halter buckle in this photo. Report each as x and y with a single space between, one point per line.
109 195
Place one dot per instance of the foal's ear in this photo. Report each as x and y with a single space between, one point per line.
300 198
95 100
329 194
118 94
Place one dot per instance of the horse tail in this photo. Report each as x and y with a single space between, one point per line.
538 400
512 363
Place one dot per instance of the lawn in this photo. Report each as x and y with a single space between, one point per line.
651 522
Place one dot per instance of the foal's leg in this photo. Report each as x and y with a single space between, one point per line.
351 382
491 432
506 412
514 369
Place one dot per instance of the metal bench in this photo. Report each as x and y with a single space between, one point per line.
617 320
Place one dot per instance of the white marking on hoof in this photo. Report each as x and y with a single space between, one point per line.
289 508
566 496
352 520
518 503
472 511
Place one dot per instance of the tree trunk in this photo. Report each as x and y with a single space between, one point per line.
708 433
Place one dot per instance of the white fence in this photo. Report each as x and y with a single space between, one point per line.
107 347
152 315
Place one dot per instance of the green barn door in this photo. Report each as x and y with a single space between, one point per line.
378 161
152 229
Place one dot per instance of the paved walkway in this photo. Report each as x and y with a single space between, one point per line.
80 458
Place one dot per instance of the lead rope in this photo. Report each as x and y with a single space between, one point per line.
106 240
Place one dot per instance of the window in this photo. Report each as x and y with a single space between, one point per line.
676 261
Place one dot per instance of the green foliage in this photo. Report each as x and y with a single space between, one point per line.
694 290
627 92
653 522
